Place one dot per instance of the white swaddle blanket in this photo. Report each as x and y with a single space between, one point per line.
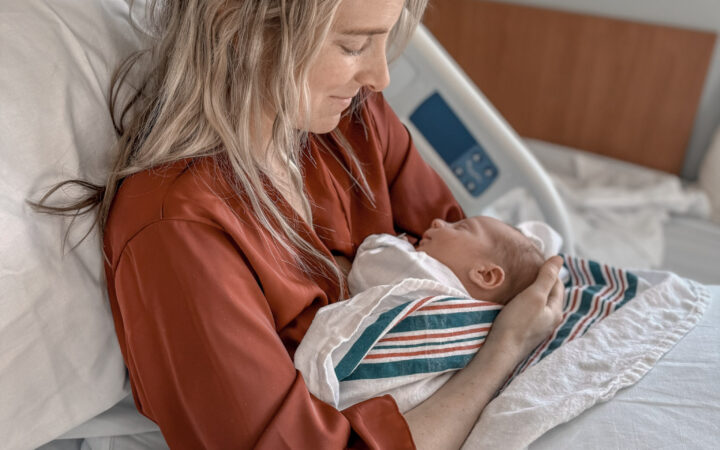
616 352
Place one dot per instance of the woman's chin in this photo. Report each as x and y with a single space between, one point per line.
325 124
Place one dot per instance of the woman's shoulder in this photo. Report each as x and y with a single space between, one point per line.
191 190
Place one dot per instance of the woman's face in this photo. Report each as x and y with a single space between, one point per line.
352 56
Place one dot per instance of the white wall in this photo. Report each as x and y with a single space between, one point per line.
694 14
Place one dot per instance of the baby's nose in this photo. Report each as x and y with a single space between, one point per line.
438 223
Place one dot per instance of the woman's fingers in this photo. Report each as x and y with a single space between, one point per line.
555 301
530 317
547 277
554 296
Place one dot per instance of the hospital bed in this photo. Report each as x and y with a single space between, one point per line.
61 372
677 405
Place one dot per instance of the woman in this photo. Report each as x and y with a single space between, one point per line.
259 156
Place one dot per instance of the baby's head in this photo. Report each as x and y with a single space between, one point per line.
493 260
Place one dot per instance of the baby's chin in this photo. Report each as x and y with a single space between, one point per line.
421 244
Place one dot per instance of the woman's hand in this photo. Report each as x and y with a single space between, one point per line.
445 419
530 317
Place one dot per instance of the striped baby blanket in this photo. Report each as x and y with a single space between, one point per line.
592 292
407 339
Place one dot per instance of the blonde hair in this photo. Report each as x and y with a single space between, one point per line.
216 66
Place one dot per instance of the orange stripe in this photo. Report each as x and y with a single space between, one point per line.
417 306
583 267
424 352
438 335
597 304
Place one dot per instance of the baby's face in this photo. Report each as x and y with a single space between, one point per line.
459 244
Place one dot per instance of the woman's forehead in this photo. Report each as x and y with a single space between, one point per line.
367 17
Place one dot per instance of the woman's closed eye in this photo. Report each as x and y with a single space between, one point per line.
355 49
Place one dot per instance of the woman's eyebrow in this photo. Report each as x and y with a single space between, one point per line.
364 31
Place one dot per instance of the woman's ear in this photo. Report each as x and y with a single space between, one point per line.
487 275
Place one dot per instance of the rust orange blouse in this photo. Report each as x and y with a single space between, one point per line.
208 312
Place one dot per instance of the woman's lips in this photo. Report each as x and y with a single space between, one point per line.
345 101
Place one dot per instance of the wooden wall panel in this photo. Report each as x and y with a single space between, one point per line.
622 89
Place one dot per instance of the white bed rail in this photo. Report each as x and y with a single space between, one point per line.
465 139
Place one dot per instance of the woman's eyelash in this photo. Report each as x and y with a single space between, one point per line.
352 52
355 52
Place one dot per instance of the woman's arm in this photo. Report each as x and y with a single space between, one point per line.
445 419
204 355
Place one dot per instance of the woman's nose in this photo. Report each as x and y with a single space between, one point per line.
377 74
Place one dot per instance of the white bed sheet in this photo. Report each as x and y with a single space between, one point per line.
628 215
675 406
692 249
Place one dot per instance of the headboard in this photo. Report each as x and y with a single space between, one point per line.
621 89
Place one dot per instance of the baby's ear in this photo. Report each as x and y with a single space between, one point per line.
487 275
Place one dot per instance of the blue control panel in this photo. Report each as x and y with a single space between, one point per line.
453 142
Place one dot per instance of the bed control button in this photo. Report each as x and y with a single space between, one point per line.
469 163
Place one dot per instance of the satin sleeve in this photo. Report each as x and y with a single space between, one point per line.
417 193
204 357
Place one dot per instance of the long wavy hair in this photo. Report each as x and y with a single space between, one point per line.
213 68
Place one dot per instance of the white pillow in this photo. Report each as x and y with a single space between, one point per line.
710 175
60 363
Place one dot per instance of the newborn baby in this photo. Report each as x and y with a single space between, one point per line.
416 314
493 260
484 258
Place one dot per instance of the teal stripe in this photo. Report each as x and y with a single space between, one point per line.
425 344
409 367
597 273
450 299
605 300
363 345
631 290
444 321
585 304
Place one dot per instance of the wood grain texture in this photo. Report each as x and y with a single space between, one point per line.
621 89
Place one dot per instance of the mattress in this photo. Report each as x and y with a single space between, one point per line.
651 219
676 405
692 247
